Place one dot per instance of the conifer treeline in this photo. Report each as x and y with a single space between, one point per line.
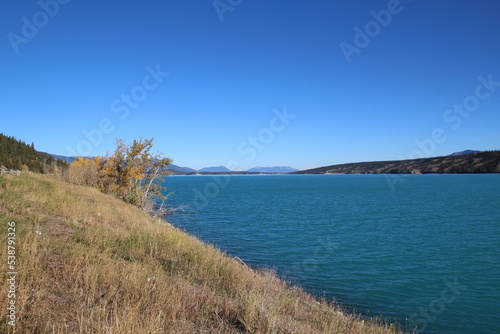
17 155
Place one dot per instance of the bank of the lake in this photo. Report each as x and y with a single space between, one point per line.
86 262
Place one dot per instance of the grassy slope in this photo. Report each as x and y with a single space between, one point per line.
102 266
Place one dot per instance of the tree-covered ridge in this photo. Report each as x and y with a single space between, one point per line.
16 154
482 162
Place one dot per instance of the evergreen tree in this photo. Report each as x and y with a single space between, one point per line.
17 155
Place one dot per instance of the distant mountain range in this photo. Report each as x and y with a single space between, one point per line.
15 154
266 170
222 169
179 169
209 170
68 160
467 161
218 169
273 170
463 153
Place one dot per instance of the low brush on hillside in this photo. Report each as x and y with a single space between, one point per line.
87 262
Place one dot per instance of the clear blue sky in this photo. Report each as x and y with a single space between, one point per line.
226 77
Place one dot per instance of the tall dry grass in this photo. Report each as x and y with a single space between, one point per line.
102 266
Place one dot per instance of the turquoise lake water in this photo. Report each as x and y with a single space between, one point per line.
424 253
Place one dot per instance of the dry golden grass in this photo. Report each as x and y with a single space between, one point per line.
102 266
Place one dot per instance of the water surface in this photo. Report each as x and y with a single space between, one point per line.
425 253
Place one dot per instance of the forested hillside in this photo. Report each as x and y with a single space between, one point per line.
482 162
17 155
